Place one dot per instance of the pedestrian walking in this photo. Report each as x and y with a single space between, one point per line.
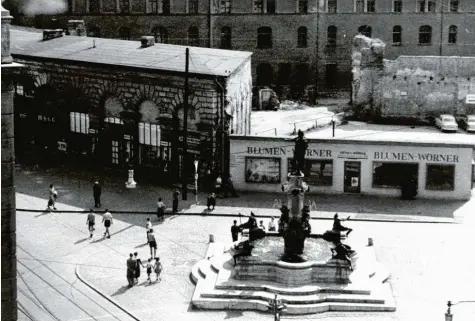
176 193
272 227
148 226
149 269
53 195
107 220
131 266
235 231
211 202
97 192
218 184
161 209
158 269
137 267
152 242
90 222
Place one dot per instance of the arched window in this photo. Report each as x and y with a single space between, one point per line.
94 32
193 37
425 35
331 36
124 33
160 34
265 74
94 6
453 34
225 38
264 38
302 37
397 35
366 31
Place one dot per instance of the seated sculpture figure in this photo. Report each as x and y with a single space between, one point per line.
341 252
242 249
338 227
255 232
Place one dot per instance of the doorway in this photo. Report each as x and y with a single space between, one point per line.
352 175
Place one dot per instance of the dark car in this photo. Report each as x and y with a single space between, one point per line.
466 122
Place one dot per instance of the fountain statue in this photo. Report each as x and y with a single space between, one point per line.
294 224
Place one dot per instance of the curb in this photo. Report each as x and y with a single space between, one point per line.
108 298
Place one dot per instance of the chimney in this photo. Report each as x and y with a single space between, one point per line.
77 28
52 33
147 41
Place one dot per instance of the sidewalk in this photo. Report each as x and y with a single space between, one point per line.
75 189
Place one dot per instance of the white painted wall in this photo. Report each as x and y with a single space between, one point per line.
278 147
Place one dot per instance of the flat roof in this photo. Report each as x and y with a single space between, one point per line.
126 53
360 133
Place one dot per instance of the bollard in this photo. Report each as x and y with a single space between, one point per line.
211 238
370 241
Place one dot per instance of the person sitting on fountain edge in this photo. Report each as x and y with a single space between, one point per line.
254 232
338 227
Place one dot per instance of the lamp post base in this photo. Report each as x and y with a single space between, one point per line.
131 183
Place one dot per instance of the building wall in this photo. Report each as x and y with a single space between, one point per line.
329 67
158 97
364 152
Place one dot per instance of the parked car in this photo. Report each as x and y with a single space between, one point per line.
446 122
467 122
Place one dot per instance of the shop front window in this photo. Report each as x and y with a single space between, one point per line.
393 175
262 170
318 172
440 177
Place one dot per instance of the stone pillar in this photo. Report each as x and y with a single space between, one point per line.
9 267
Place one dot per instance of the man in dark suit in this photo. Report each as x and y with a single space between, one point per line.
97 191
131 266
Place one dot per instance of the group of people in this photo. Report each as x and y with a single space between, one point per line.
106 220
236 229
135 264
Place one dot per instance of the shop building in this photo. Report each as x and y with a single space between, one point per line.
439 170
118 103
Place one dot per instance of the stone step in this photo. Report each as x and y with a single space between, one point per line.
260 305
293 299
306 290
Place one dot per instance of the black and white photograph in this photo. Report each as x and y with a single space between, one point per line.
286 160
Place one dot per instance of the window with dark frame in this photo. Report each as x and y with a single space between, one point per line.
264 38
225 6
270 6
124 6
262 170
397 6
359 6
331 36
94 6
225 38
302 37
193 36
430 6
370 5
302 6
425 35
454 6
264 74
453 35
193 6
440 177
318 172
332 6
397 35
79 122
166 6
160 34
258 6
393 175
153 6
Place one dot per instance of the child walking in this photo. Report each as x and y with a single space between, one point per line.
158 268
149 269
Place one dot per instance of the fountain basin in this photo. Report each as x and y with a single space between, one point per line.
315 265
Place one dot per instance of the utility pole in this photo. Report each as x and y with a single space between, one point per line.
184 160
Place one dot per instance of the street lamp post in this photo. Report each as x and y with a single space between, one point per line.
196 181
448 315
276 306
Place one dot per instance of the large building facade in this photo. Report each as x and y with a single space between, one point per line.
116 104
301 47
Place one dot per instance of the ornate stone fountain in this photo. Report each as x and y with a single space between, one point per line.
297 265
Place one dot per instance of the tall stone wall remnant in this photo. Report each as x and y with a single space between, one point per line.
410 87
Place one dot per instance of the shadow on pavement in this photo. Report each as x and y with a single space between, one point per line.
82 240
120 291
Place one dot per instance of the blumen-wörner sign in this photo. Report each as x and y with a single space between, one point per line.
417 157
